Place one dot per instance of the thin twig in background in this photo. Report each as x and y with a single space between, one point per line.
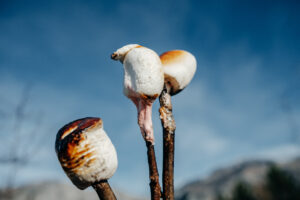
16 153
169 127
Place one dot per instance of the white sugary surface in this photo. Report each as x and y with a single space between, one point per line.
121 52
183 69
143 72
104 151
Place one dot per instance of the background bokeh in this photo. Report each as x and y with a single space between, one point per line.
55 67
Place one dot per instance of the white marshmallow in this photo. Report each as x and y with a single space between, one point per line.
179 68
143 72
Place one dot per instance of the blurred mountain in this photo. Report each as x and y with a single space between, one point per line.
223 181
57 191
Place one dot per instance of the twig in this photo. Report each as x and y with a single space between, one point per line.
153 172
104 190
168 123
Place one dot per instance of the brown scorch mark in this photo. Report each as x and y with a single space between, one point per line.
171 56
71 154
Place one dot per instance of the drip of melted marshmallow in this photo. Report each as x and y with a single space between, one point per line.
143 82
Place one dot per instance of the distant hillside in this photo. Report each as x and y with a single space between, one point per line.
221 181
58 191
224 180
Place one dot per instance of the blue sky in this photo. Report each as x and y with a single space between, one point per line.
243 102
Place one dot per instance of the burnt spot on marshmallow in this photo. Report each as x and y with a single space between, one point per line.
72 154
78 126
171 56
172 84
72 150
83 150
150 98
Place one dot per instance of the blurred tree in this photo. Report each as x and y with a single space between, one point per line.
242 191
282 185
279 185
184 197
221 197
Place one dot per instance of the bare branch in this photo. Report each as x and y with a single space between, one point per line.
16 152
104 190
168 124
153 172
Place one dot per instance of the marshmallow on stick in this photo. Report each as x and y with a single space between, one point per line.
143 82
87 155
179 68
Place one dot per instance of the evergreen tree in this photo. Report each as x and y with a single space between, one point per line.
243 191
282 185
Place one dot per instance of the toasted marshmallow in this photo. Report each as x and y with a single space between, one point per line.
143 82
143 72
85 152
179 69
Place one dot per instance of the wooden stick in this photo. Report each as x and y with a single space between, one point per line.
104 190
153 173
168 123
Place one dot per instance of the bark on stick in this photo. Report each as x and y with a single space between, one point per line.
168 124
153 172
104 190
